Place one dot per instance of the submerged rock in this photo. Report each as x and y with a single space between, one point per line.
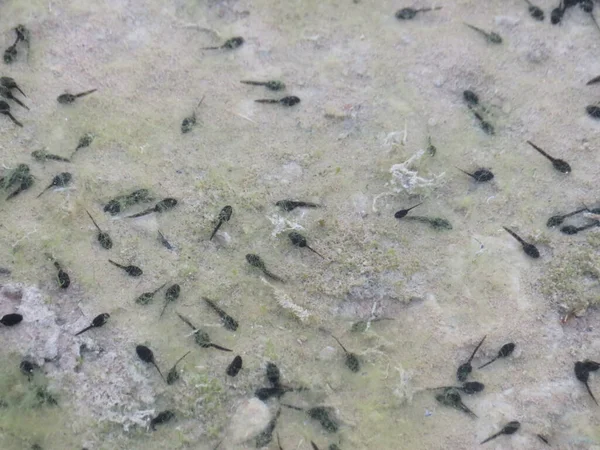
250 418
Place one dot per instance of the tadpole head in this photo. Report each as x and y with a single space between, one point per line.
556 15
172 293
555 221
536 12
188 124
352 362
561 166
471 97
531 250
581 372
166 204
226 213
234 42
472 387
586 5
144 353
463 371
569 229
255 261
290 100
406 13
506 350
297 239
10 54
275 85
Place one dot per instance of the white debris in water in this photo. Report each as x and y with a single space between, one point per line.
286 302
282 224
406 179
251 417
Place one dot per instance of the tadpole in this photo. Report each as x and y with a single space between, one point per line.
5 109
147 297
63 179
10 320
451 398
403 212
103 237
300 241
173 374
201 337
410 13
190 122
322 414
228 322
272 85
480 175
534 11
98 321
67 98
132 271
234 367
510 428
571 229
171 294
504 352
582 373
559 164
491 37
256 261
10 83
146 355
465 369
557 220
529 249
229 44
6 93
352 361
289 205
224 216
162 417
290 100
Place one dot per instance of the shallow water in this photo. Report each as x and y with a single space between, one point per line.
372 90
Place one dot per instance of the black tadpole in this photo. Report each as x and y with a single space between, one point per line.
160 207
470 387
465 369
571 229
529 249
403 212
352 361
163 240
28 368
5 109
201 337
228 322
103 237
147 297
582 373
10 83
173 374
437 223
98 321
190 122
6 93
256 261
559 164
146 355
63 179
132 271
171 294
9 320
300 241
557 14
535 11
70 98
224 216
593 111
272 85
290 100
322 414
480 175
505 351
487 127
234 367
229 44
289 205
557 220
161 417
451 398
410 13
491 37
510 428
42 155
273 374
593 80
63 277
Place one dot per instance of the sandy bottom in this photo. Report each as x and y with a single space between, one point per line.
372 90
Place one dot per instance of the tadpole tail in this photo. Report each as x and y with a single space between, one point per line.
116 264
218 347
493 436
159 372
15 121
541 151
437 8
216 229
338 341
253 83
587 386
466 173
266 100
292 407
273 276
467 410
85 329
314 251
44 191
93 221
180 359
576 212
488 363
513 234
81 94
476 348
20 103
210 48
164 307
186 321
140 214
